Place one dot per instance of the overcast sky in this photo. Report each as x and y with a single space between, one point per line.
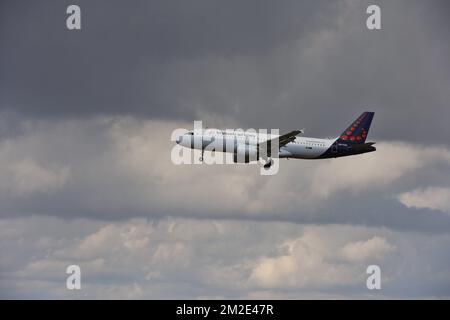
86 177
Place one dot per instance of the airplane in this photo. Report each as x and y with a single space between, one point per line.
252 146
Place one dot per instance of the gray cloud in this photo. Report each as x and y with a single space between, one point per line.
120 167
179 258
85 121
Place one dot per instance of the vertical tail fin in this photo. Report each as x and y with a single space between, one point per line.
358 130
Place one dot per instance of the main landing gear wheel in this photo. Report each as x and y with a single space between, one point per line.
268 164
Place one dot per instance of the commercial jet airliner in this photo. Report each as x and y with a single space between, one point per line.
252 146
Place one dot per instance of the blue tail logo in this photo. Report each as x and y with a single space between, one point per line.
357 132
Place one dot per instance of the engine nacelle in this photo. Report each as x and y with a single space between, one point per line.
245 153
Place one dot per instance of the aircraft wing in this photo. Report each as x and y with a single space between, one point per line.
282 140
286 138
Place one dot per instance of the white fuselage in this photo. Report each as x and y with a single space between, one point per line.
230 140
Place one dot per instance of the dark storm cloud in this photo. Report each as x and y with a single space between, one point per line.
121 60
264 63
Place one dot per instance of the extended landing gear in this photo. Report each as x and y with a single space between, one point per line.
213 152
